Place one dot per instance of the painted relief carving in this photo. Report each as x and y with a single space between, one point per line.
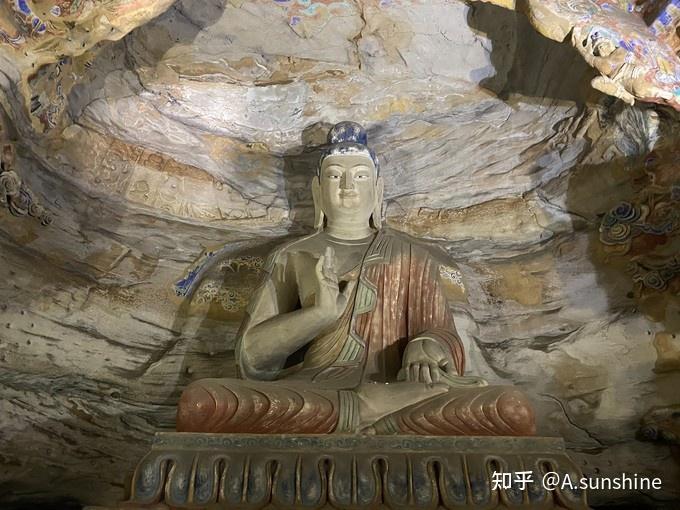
646 231
642 236
149 179
229 286
349 471
632 44
15 195
453 275
53 41
662 424
232 300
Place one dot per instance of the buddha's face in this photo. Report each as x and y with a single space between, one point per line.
348 187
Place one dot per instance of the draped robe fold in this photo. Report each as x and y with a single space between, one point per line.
398 297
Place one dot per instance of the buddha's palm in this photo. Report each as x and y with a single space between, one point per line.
329 299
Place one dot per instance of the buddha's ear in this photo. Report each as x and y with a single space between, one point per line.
377 208
316 197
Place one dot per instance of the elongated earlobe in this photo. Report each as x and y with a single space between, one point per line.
377 208
316 197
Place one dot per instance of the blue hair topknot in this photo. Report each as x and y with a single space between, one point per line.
347 131
348 137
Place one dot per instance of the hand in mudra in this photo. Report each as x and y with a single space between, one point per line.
330 299
426 361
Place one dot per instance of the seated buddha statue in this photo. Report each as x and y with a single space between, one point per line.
350 330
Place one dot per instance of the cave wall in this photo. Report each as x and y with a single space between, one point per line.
183 152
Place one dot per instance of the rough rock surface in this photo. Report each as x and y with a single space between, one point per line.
47 45
189 137
633 44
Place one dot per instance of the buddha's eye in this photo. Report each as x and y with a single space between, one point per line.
333 176
361 173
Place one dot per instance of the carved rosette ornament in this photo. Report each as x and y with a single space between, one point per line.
15 195
645 231
662 425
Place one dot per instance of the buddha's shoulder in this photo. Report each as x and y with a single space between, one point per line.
311 242
315 244
399 237
417 246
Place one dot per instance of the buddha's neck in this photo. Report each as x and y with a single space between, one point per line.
348 230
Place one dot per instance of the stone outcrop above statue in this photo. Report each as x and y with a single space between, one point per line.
350 330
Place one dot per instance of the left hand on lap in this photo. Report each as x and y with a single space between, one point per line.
424 361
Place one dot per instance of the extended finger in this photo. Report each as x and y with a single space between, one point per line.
414 372
328 270
330 253
426 373
436 374
402 374
319 268
329 262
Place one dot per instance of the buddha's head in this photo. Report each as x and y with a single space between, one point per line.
348 188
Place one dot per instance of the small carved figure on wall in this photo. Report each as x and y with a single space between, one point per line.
14 194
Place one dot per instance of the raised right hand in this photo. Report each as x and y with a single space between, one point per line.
330 301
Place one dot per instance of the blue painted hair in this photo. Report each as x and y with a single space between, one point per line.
348 137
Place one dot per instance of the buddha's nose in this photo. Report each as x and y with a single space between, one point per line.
347 182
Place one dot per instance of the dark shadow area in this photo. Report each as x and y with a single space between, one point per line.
651 9
541 68
60 504
188 18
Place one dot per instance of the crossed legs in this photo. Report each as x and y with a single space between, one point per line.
261 407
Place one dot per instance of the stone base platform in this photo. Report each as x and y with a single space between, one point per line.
235 471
